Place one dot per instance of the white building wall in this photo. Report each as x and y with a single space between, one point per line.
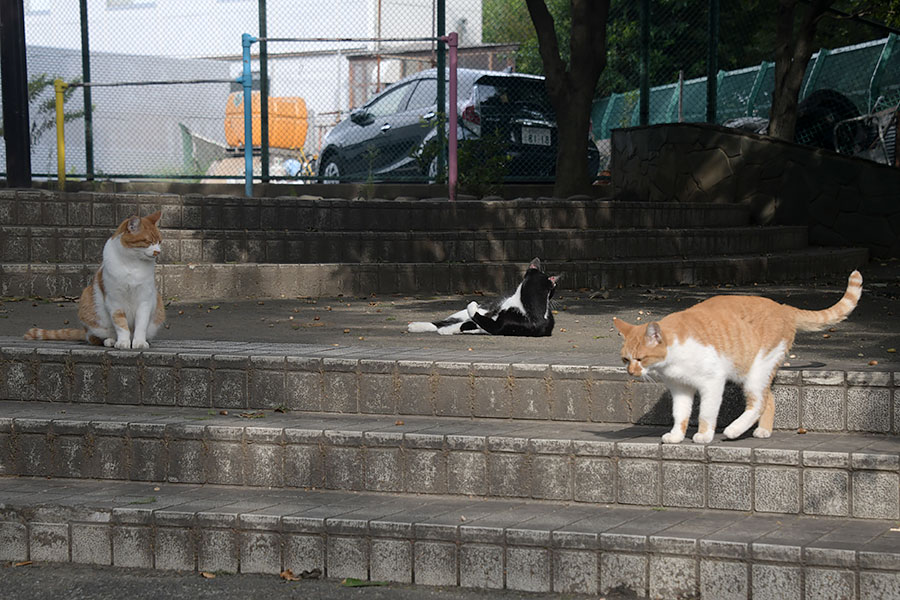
192 29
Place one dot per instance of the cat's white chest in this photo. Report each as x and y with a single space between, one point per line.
127 276
691 362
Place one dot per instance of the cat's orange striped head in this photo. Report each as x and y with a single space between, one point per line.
141 235
644 346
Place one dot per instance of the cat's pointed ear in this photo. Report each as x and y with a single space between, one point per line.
554 279
154 218
535 264
654 335
134 224
622 326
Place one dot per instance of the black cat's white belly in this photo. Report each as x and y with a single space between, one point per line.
458 322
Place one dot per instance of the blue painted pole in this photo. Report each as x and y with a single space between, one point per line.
246 79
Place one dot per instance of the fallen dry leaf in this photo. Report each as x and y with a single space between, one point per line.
207 575
288 575
801 431
346 331
253 415
891 350
826 335
399 422
24 563
223 412
872 363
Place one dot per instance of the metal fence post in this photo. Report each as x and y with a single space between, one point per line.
263 95
86 92
441 89
16 122
59 86
712 62
246 79
645 63
452 41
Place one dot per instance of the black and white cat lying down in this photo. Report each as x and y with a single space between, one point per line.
525 313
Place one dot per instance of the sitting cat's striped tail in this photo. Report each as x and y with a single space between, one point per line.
36 333
813 320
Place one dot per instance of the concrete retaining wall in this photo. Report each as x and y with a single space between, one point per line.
843 200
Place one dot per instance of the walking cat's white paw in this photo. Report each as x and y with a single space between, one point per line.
759 432
703 438
139 345
731 432
672 437
109 342
123 344
472 308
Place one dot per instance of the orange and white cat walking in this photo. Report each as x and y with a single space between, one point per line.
121 307
742 339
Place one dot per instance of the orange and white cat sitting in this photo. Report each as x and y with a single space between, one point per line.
121 307
726 338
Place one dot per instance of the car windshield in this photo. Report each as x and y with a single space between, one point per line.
512 93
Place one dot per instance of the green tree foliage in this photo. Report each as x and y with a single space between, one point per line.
42 105
678 35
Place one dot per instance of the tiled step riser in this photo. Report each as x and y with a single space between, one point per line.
814 400
74 245
237 281
50 209
818 482
448 555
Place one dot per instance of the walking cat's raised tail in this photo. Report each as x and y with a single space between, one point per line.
814 320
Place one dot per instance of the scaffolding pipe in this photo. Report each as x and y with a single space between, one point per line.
452 40
246 79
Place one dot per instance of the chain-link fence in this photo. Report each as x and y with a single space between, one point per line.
338 109
848 99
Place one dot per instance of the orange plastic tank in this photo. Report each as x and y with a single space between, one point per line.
287 121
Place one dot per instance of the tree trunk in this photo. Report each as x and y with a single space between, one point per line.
571 90
791 59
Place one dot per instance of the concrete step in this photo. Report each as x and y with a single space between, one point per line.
434 540
211 281
25 244
314 213
414 380
838 475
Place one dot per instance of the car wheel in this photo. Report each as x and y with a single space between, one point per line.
331 170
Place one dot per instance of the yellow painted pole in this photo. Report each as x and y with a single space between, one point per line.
59 85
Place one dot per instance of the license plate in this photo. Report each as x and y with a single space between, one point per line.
537 136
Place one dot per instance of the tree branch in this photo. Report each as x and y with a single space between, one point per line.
554 68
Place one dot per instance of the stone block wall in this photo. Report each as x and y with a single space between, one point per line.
844 201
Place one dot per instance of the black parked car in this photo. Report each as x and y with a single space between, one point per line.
380 140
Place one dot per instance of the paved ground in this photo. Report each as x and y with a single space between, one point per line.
583 320
79 582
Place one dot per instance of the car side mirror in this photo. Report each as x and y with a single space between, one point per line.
361 117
